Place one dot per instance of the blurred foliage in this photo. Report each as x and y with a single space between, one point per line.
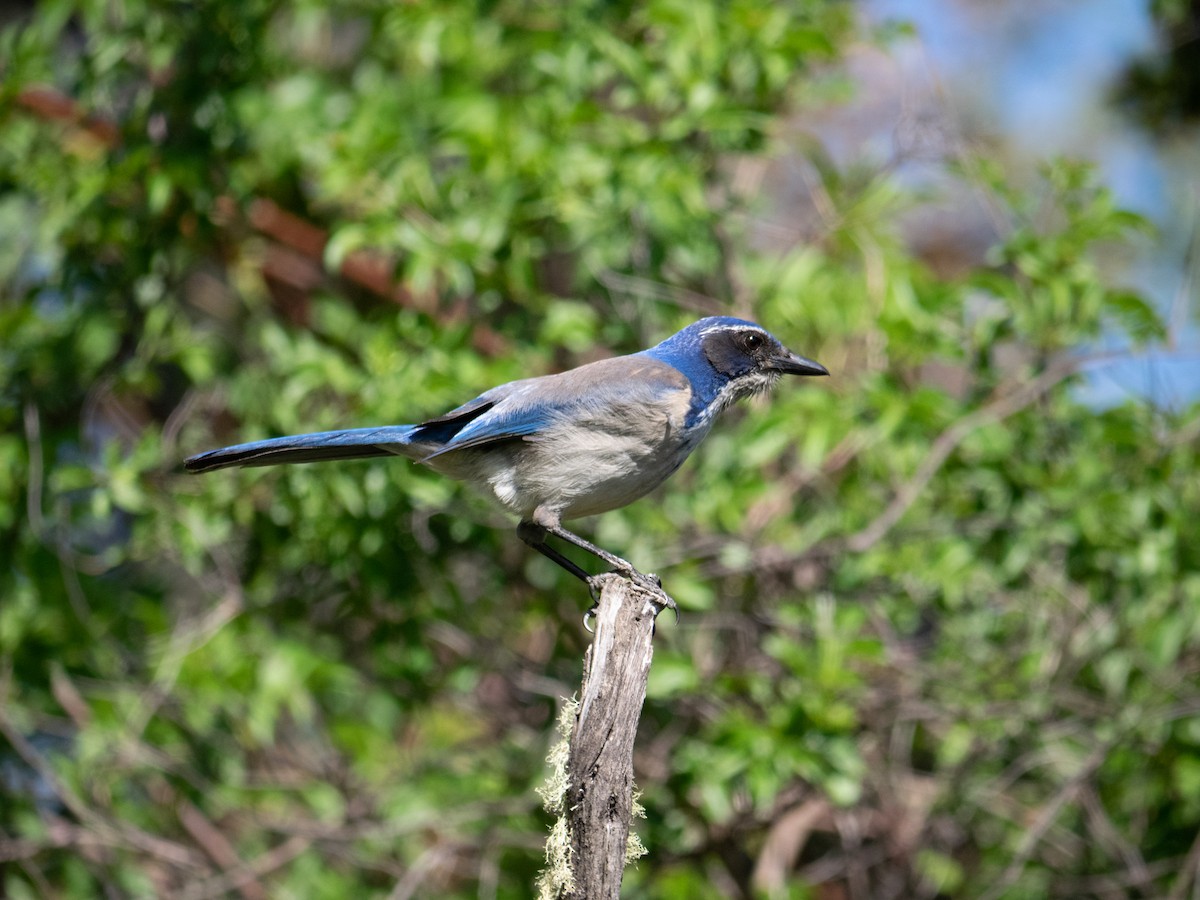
942 621
1162 89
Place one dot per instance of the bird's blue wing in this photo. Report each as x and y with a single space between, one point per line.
499 421
523 409
446 429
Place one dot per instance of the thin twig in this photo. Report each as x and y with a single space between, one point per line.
946 442
1107 832
1187 872
113 833
408 886
681 297
274 859
218 847
33 494
16 849
185 640
1043 821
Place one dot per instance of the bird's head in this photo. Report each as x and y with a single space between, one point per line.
726 359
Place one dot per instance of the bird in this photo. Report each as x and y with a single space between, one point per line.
578 443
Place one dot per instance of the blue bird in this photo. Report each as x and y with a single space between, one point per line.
575 444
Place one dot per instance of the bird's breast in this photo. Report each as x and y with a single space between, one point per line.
582 472
590 465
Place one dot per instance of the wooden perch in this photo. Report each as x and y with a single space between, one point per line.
589 847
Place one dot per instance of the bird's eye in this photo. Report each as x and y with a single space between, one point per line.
752 340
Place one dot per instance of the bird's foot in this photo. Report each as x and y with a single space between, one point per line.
647 582
652 584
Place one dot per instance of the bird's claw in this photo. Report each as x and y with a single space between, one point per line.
653 584
589 617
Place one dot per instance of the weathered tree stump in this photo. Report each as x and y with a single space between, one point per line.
597 803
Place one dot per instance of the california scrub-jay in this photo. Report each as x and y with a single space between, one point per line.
575 444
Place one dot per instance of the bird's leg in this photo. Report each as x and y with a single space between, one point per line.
650 582
623 566
535 536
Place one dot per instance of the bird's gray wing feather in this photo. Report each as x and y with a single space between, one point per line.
524 409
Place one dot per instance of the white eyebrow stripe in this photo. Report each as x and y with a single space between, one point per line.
753 328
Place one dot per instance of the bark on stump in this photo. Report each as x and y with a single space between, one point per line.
599 797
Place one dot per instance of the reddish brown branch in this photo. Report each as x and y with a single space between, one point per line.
47 103
219 849
301 260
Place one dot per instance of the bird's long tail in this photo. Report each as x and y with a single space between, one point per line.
301 448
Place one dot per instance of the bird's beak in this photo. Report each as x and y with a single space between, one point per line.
793 364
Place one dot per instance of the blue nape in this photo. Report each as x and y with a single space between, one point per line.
684 351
